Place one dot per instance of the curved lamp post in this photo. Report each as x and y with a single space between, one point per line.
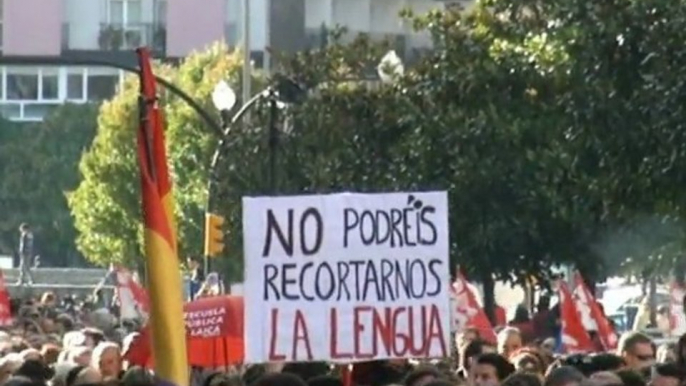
224 99
66 61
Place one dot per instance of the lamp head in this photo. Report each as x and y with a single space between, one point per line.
223 96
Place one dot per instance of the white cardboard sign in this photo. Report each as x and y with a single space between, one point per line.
346 277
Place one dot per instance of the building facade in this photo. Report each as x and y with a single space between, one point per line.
34 32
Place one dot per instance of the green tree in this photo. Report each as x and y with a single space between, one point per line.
106 204
39 165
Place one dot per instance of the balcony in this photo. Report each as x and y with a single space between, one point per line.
112 37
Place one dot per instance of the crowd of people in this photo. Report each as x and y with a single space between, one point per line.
79 342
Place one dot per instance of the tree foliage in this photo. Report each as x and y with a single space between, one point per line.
106 204
555 126
38 166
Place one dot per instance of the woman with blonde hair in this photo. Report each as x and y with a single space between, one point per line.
107 359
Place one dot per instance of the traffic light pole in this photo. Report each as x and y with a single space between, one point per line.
227 124
282 88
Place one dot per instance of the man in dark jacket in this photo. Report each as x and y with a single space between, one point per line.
197 276
25 254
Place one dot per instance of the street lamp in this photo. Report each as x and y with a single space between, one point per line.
390 66
282 91
223 97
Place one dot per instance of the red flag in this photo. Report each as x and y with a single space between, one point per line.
586 300
467 312
5 310
574 337
677 318
133 298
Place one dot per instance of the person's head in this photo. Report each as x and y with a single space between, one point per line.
19 380
522 379
48 299
35 370
471 351
547 347
666 353
279 379
50 352
528 360
605 378
543 303
637 350
80 355
24 228
61 370
106 358
631 378
138 376
222 379
306 370
668 374
421 376
192 262
564 376
82 376
31 354
605 362
491 370
509 341
438 382
681 350
64 323
93 336
9 364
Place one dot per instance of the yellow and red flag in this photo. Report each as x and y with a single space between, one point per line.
164 278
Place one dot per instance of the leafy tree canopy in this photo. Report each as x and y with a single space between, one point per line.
106 204
38 166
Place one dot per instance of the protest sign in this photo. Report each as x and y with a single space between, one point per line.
346 277
206 318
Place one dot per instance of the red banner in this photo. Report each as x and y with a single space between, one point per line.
5 310
677 318
466 311
589 305
206 318
574 337
214 334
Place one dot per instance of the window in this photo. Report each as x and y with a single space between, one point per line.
102 83
36 112
22 83
49 83
124 12
10 111
75 84
101 87
161 12
29 93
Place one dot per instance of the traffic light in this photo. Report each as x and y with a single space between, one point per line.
214 234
